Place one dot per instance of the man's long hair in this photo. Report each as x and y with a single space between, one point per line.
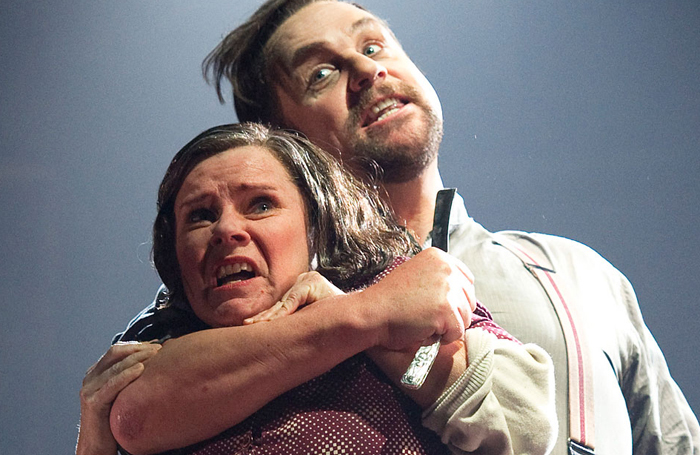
242 59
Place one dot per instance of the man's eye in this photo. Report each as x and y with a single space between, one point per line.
199 215
320 75
371 49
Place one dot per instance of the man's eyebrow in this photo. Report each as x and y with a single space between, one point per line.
365 22
305 52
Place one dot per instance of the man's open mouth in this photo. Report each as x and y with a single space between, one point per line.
382 110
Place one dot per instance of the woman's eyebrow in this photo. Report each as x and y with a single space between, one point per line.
193 199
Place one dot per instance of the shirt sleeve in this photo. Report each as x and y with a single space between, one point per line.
662 421
502 404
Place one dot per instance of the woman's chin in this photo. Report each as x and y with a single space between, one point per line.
233 312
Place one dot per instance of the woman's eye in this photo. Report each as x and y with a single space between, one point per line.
371 49
199 215
262 206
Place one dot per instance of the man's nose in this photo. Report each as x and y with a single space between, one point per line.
365 73
230 228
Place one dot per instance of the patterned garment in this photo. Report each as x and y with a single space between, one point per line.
352 409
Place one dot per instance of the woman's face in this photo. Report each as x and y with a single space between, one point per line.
240 235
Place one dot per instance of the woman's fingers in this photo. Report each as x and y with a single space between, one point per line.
114 384
116 369
118 352
310 287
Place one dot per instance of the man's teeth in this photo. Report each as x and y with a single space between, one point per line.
392 103
387 113
232 269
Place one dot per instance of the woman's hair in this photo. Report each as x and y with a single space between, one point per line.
351 234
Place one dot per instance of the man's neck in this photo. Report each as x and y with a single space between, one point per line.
413 202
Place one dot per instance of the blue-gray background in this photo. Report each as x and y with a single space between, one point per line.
575 118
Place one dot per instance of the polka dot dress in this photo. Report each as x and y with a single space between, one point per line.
352 409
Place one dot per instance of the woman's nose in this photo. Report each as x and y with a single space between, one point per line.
230 228
365 73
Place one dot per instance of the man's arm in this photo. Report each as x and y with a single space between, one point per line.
487 393
498 401
502 404
662 421
205 382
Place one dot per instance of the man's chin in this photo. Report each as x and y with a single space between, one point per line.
402 172
400 149
391 162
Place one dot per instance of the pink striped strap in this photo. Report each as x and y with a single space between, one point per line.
581 408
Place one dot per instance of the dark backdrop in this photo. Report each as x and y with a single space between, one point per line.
574 118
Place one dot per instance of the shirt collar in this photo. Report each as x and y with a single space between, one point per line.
458 215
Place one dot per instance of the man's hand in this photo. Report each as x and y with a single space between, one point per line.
428 296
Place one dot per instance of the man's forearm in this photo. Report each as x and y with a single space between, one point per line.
203 383
449 365
208 381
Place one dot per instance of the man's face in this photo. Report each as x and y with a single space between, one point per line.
342 79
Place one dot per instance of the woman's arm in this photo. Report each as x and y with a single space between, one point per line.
205 382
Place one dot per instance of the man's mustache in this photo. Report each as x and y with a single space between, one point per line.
369 96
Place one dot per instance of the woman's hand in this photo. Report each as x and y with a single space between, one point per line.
117 368
310 287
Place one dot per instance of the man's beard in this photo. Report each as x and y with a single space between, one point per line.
396 163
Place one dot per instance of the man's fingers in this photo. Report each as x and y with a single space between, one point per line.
430 340
456 324
286 306
465 271
295 297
